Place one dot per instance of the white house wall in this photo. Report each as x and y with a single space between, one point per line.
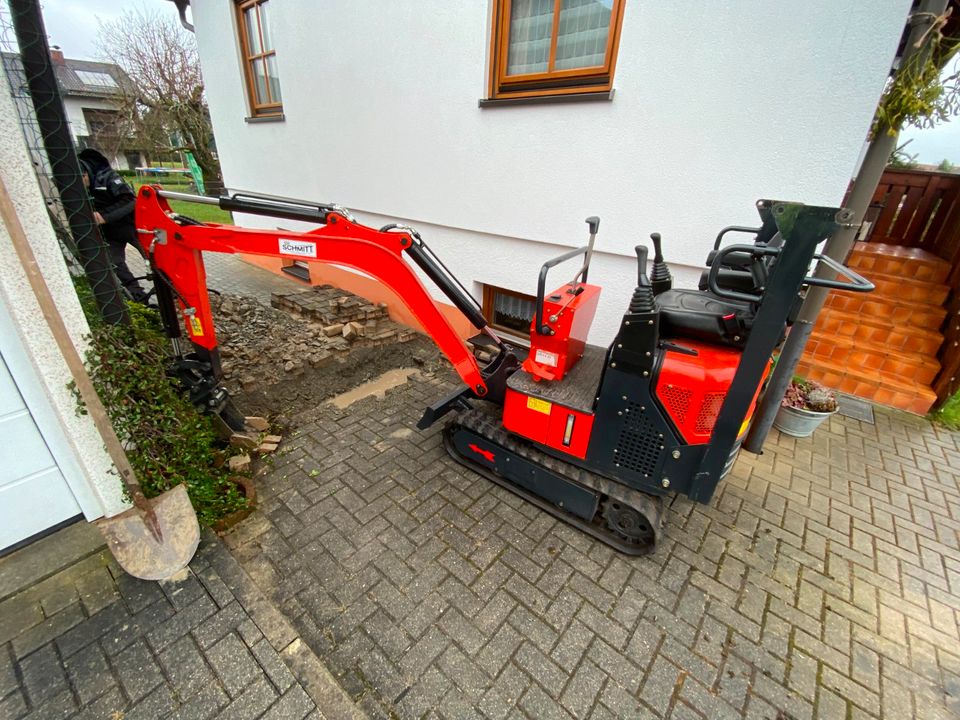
716 105
77 448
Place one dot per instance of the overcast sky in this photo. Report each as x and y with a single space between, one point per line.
72 24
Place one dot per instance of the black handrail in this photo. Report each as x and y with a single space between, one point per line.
857 283
542 281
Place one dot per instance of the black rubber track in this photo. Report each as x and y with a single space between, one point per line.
489 427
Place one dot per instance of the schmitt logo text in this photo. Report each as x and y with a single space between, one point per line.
302 248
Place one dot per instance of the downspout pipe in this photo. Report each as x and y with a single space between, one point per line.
182 6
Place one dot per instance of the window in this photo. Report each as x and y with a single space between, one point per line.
554 47
96 79
508 311
103 126
259 58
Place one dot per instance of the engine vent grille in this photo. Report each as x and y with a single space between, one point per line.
639 444
709 410
677 400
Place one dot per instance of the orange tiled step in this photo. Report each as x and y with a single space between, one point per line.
903 314
867 356
863 328
905 289
899 261
877 386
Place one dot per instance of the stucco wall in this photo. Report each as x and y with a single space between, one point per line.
87 467
715 107
75 118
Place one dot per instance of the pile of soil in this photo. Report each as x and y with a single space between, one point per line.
277 365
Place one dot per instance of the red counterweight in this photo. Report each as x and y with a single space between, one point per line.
568 313
692 387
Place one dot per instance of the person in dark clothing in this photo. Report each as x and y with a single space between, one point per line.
113 203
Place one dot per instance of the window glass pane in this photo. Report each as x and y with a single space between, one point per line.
98 79
582 33
259 81
273 77
531 22
265 27
253 31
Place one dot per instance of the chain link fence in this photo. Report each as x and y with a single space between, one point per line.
31 76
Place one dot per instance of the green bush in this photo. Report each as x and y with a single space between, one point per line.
167 439
949 414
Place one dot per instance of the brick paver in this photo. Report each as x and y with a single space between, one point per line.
822 582
230 274
88 641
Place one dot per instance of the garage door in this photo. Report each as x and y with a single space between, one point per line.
33 493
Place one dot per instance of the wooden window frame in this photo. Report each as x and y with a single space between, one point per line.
488 310
597 79
257 109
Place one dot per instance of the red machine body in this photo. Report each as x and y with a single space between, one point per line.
692 384
568 313
548 423
692 388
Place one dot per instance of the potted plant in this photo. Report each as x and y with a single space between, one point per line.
805 405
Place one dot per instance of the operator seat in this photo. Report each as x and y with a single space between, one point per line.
701 315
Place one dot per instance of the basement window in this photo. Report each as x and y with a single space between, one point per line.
508 311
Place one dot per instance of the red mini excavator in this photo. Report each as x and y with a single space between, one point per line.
597 436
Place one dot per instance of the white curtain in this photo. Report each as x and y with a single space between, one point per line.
582 35
512 310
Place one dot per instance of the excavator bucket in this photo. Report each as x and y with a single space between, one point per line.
156 539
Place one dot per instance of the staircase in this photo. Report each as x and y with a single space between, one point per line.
882 346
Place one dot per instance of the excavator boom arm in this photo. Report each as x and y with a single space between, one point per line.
175 245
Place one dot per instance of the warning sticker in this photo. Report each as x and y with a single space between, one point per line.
547 358
196 329
538 405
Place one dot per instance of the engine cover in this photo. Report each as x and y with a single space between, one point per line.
692 387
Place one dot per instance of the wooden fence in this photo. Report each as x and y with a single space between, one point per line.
920 209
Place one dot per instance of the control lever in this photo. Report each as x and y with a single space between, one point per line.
593 223
642 300
642 279
660 276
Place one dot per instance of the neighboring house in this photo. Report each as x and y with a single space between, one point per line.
92 93
496 127
53 467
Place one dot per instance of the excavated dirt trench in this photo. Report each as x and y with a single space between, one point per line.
282 363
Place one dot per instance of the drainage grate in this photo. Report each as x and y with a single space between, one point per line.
855 408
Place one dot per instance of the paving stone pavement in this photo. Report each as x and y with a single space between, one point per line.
230 274
823 581
87 641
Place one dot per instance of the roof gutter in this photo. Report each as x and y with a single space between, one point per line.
182 6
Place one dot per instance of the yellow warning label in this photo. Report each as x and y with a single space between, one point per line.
538 405
196 329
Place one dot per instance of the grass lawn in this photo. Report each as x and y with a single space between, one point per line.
203 213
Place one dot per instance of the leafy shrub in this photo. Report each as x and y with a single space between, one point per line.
167 439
